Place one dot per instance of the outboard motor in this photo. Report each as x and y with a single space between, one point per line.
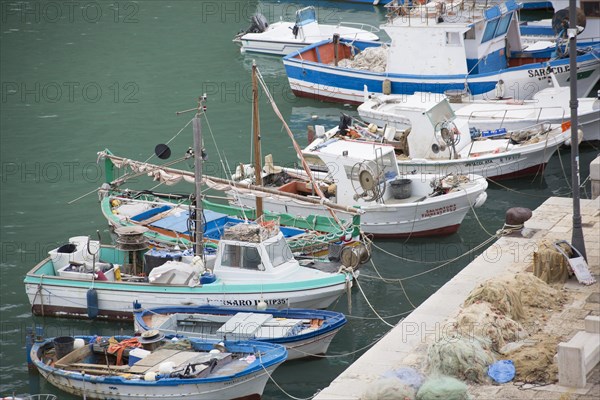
259 24
345 122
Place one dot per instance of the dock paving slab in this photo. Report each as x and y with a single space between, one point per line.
406 344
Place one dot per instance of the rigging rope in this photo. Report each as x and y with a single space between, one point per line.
315 186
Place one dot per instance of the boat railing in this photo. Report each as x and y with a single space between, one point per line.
456 10
518 135
473 116
360 25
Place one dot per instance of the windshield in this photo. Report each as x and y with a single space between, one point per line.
279 252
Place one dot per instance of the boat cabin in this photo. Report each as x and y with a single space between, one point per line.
457 37
250 249
359 169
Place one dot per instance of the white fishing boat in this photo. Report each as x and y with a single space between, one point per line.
366 176
550 105
281 38
461 45
252 265
430 139
124 368
304 333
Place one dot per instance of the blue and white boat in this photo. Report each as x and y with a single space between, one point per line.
304 333
198 370
435 48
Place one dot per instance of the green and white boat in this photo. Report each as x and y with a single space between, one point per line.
248 274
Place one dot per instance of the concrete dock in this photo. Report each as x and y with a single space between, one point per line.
406 344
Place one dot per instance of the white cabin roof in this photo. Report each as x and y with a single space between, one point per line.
354 150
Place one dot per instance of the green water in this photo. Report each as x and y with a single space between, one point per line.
78 78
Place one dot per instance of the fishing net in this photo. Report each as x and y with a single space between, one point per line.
407 375
549 265
443 388
534 292
372 59
499 293
535 363
484 321
462 357
388 389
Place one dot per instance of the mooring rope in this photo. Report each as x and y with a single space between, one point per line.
283 390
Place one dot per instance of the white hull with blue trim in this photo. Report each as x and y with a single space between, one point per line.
304 333
240 377
436 49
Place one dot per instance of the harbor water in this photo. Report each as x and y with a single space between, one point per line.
81 77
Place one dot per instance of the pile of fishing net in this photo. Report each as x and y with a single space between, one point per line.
388 389
463 357
401 383
501 294
536 293
443 388
534 363
485 321
372 59
549 264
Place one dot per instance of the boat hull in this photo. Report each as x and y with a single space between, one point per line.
330 83
508 165
55 295
431 217
253 387
63 299
498 115
299 345
246 383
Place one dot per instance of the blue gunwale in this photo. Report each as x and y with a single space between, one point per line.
273 354
331 320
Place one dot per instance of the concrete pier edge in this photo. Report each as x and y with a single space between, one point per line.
406 344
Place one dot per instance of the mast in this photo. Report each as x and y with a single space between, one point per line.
256 140
198 228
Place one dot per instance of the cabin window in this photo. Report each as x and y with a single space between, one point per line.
591 8
390 170
452 39
503 25
490 29
470 34
279 252
241 257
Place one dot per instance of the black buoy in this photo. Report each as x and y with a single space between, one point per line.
162 151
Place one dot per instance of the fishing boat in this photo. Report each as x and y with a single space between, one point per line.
281 38
430 139
239 273
125 367
252 264
167 218
366 176
549 105
464 46
304 333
